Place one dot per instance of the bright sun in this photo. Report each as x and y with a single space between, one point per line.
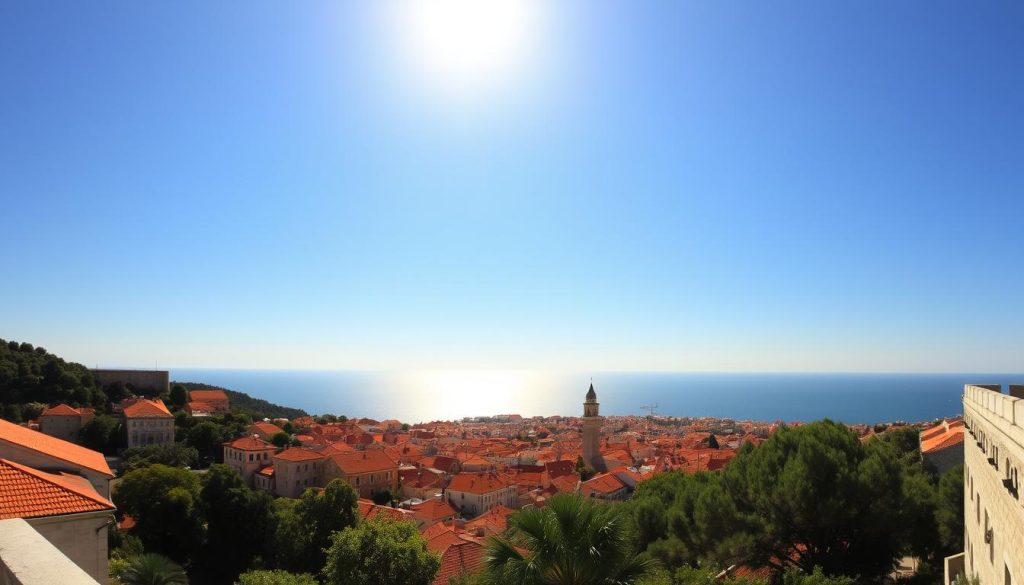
469 43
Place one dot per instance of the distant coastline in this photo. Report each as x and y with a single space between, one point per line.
849 398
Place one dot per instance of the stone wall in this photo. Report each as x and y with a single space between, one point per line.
27 558
993 505
148 382
81 537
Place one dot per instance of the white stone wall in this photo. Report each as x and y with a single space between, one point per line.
150 431
471 504
81 537
27 558
995 423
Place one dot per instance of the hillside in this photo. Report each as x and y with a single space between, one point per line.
32 379
30 374
240 401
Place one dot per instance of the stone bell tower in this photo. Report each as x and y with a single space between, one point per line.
592 422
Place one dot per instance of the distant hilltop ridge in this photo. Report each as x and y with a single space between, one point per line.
32 377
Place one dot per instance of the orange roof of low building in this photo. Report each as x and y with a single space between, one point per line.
26 492
61 410
354 462
370 510
267 428
207 395
605 483
433 510
493 521
147 409
298 454
942 436
54 447
464 557
250 444
477 483
267 471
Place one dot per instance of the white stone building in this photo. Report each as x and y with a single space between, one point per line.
993 508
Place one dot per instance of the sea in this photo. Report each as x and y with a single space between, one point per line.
431 395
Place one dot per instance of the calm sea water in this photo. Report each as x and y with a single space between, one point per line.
425 396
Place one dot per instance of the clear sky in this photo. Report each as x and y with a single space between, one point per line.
589 185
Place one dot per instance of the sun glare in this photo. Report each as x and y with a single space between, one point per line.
469 43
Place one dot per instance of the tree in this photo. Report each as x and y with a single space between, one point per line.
380 552
178 397
382 498
816 495
277 577
816 577
583 470
280 439
173 455
949 512
239 523
152 569
206 438
163 501
101 434
304 526
570 541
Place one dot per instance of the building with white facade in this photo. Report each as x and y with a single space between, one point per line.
993 508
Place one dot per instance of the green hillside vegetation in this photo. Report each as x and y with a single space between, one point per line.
32 379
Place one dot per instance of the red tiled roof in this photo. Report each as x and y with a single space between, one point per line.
433 510
266 428
267 471
477 483
61 410
942 436
54 447
461 557
368 461
147 408
207 395
369 510
298 454
493 521
606 483
250 444
29 493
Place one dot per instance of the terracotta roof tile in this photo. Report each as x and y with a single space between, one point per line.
207 395
29 493
61 410
298 454
54 447
147 408
250 444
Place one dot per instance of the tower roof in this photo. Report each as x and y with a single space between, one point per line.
591 395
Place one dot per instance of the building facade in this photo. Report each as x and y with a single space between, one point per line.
148 382
475 493
64 422
148 422
592 422
993 510
296 470
248 455
368 472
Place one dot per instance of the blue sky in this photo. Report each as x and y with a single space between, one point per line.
724 186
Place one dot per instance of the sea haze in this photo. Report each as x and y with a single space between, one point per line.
425 396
